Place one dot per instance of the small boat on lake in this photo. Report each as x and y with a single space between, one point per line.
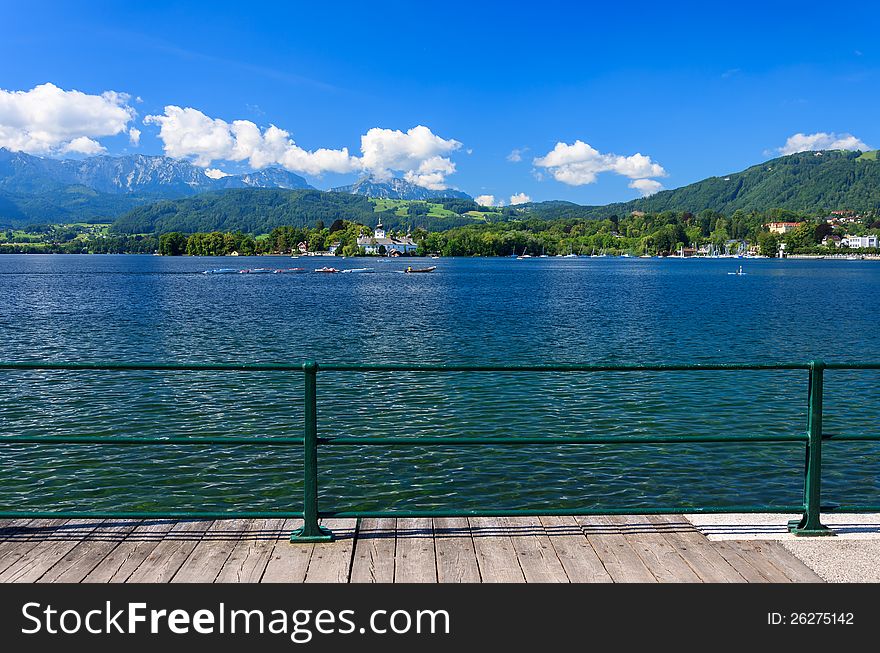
220 271
290 270
739 272
412 270
359 271
326 270
256 271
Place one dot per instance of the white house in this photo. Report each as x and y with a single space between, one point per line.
855 242
392 246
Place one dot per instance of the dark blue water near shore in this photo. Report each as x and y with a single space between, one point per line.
145 309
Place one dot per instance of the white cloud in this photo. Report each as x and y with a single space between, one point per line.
821 141
579 163
50 120
646 186
485 200
215 173
188 133
418 154
83 145
519 198
516 155
134 136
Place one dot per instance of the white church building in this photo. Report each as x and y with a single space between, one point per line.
392 246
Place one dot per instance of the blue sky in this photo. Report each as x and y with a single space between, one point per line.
696 90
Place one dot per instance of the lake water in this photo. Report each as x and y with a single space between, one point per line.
152 309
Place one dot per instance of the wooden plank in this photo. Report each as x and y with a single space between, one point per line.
208 557
620 560
20 540
789 564
753 552
663 559
331 561
11 529
53 543
415 560
456 554
166 558
736 560
495 553
374 551
88 554
536 555
122 561
251 554
695 548
575 553
288 562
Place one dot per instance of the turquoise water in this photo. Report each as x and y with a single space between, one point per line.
147 309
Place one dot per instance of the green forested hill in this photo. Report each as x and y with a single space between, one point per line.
809 182
259 211
250 210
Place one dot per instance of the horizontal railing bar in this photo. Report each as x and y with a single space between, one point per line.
340 367
428 441
334 367
852 366
78 514
162 367
408 441
557 512
851 509
125 440
556 440
353 514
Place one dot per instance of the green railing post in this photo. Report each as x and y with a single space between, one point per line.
810 524
310 531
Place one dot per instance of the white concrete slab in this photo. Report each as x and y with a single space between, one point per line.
839 560
762 526
853 556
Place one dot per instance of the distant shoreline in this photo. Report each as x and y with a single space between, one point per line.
801 257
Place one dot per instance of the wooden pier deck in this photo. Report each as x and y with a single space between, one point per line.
452 550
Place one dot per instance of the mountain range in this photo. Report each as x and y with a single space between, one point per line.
159 193
397 189
36 189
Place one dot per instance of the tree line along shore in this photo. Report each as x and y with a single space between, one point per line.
662 234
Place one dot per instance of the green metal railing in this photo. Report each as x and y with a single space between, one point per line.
809 525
